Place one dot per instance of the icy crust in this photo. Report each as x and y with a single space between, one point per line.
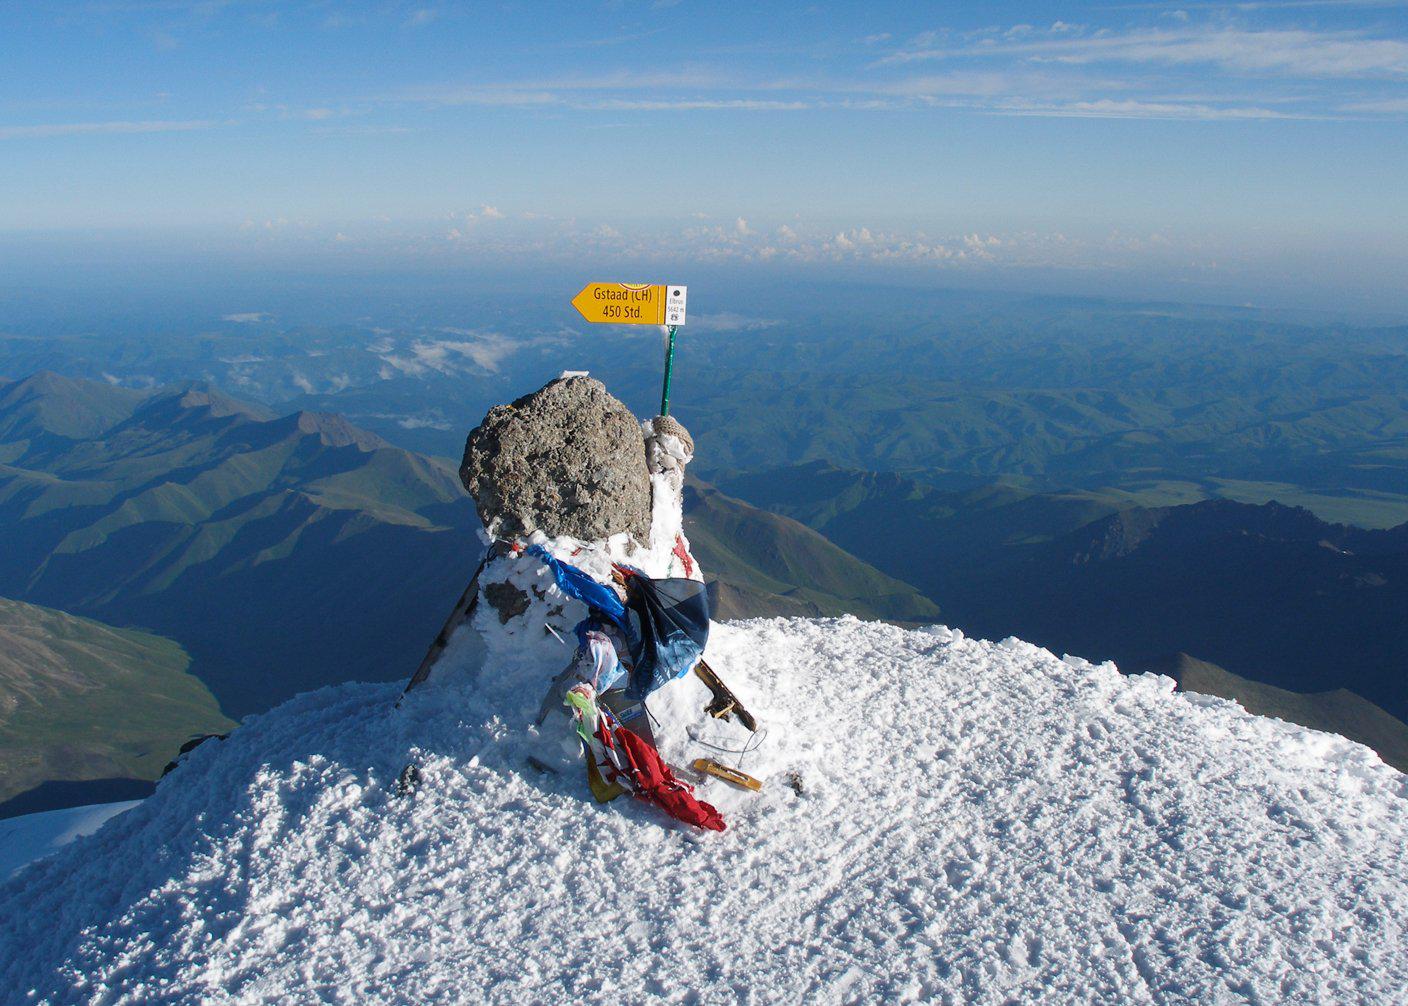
977 822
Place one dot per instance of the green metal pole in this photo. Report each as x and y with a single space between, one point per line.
669 367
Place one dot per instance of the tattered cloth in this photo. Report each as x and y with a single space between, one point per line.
674 628
619 761
672 617
655 783
574 583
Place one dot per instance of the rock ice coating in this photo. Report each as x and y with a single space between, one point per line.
568 459
568 468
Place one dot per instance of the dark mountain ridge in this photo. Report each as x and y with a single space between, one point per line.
1128 531
241 534
1272 591
1269 591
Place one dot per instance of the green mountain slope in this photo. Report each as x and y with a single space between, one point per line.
50 407
766 564
284 553
80 700
1339 711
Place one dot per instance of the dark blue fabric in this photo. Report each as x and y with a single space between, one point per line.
673 617
674 629
573 582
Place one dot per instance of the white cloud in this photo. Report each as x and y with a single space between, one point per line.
981 247
690 105
483 351
419 423
488 96
1385 106
1128 108
457 352
246 317
552 90
102 128
1064 69
1289 52
728 321
432 420
363 129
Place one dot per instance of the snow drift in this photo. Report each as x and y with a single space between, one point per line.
33 836
977 821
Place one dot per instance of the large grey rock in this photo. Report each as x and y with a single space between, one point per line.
567 459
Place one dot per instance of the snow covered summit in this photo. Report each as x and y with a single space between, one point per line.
978 821
942 819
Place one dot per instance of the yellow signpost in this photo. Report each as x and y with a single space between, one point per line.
637 304
631 303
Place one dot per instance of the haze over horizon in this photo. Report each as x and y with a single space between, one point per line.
1243 153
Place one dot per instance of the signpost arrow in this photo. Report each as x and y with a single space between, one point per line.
637 304
631 303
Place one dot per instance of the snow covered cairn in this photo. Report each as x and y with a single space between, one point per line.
567 482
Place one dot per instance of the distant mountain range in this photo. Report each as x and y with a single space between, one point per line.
288 552
952 389
989 433
1272 593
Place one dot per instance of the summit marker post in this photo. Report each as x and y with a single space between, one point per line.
637 304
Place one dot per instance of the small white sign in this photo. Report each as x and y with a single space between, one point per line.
674 304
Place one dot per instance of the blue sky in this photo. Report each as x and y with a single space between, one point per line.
1262 145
